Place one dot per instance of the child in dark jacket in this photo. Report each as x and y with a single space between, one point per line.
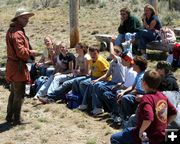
154 114
169 82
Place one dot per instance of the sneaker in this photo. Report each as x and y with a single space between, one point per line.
117 119
112 116
126 44
97 111
35 97
82 107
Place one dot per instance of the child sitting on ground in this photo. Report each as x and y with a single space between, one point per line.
128 98
81 69
83 86
45 66
154 114
48 57
169 82
108 97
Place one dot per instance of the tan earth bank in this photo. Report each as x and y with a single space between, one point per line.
55 123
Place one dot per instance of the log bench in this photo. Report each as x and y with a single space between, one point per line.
105 39
177 32
157 45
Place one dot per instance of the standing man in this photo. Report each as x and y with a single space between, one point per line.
18 53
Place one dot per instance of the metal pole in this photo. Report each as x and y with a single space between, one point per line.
74 24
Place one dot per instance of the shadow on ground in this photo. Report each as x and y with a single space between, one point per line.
5 127
157 56
4 83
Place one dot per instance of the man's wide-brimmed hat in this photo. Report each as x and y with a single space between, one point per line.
21 12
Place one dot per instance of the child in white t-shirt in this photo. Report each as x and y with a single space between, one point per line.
109 97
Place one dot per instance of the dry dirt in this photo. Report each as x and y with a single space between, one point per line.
52 124
55 123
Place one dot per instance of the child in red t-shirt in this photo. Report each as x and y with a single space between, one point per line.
154 114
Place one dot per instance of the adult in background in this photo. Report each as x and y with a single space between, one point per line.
18 53
152 25
128 24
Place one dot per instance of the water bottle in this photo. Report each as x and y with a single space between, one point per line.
145 139
27 89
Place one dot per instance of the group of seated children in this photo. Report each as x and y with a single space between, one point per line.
122 87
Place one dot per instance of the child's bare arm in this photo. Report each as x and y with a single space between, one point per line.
144 126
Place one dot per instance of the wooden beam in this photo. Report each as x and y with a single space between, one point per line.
74 22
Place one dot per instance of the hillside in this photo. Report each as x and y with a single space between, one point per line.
54 123
93 18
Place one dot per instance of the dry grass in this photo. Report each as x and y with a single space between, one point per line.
54 123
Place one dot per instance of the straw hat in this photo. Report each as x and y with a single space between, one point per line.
21 12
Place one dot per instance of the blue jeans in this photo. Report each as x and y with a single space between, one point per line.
144 37
52 84
62 89
96 103
119 39
44 88
128 105
109 99
86 88
123 137
98 89
57 81
75 85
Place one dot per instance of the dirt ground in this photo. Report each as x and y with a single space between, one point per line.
55 123
52 124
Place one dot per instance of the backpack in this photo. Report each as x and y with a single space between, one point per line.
167 35
34 73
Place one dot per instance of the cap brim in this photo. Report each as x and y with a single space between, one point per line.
30 14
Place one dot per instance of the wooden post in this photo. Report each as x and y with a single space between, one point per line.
154 3
74 25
